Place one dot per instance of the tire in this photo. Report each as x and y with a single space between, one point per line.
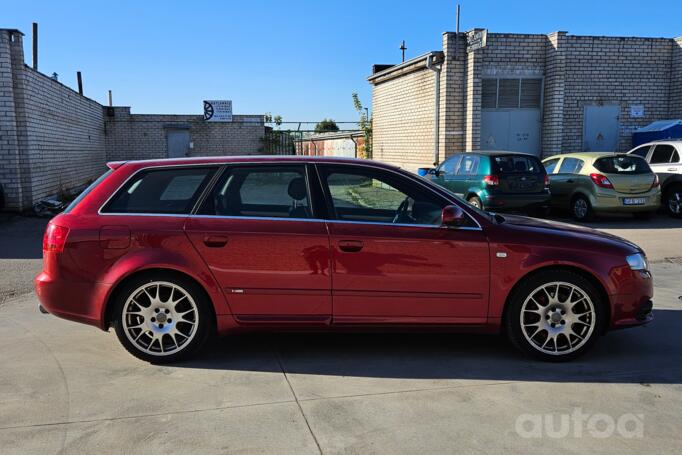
581 209
162 317
534 321
644 215
476 202
672 201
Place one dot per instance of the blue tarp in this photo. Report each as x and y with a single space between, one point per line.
656 131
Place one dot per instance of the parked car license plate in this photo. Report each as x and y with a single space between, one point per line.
634 201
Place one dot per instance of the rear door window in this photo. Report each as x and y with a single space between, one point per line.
161 191
509 164
571 166
622 164
663 153
468 165
260 191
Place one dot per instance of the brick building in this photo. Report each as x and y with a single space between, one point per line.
542 94
54 140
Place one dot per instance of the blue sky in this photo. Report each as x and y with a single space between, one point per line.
298 59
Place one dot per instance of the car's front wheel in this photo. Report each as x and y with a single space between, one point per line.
554 315
162 318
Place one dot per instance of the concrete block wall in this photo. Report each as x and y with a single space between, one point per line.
676 80
554 94
613 70
143 136
403 113
52 137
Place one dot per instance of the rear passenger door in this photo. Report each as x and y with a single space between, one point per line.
564 183
262 239
665 161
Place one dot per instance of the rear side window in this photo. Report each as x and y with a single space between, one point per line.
260 191
571 166
663 153
622 164
163 191
87 191
509 164
550 165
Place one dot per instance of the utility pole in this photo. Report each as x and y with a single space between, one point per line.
403 48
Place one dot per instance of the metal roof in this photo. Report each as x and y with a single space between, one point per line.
660 125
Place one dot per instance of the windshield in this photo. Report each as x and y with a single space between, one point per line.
622 164
512 164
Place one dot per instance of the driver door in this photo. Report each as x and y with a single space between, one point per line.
392 261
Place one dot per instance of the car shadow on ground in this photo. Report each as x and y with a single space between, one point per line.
643 355
621 221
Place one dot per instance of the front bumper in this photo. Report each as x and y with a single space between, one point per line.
633 305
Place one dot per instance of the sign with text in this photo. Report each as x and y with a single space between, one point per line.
218 110
476 39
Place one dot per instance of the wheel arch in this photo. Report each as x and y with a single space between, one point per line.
599 286
115 291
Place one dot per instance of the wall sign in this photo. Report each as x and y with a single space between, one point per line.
218 110
476 39
636 111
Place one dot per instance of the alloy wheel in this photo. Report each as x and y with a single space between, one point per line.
675 202
558 318
580 208
160 318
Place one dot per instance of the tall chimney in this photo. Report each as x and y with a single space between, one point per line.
35 46
80 82
110 100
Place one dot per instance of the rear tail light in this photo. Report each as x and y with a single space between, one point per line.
54 238
656 183
601 181
546 181
491 180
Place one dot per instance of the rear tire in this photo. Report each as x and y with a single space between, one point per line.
554 326
476 202
162 317
581 209
672 201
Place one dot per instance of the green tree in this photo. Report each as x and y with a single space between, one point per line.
326 126
365 125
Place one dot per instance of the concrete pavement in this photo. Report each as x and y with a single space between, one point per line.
69 388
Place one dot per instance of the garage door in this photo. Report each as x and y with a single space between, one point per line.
510 115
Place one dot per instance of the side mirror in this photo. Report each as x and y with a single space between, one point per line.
424 171
452 215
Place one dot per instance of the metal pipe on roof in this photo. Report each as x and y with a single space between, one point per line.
436 118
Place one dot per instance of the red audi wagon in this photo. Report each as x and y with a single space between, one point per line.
170 252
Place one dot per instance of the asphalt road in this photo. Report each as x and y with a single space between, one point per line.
69 388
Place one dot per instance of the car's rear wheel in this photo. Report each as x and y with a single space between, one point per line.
673 201
581 209
162 318
554 316
476 202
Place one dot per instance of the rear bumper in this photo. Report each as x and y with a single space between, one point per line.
503 201
612 202
81 302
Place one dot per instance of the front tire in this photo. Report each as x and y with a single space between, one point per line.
554 316
162 318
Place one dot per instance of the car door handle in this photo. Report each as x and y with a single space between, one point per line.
672 169
215 241
350 246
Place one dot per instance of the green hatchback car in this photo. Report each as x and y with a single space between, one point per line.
590 183
496 180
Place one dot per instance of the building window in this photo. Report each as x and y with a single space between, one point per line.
511 93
